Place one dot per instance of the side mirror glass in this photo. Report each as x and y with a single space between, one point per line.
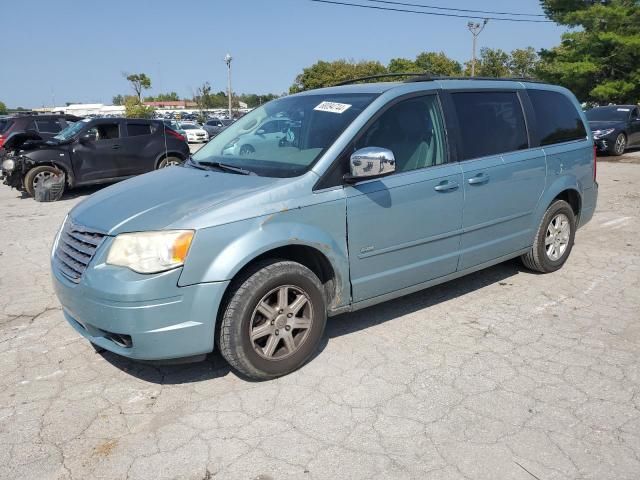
370 162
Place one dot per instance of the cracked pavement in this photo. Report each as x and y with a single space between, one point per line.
503 374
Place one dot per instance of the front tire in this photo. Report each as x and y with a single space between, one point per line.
273 321
169 162
620 145
554 239
37 175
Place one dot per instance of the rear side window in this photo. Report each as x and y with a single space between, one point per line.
138 129
557 119
491 123
48 125
5 124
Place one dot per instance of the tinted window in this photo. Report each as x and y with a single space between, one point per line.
412 130
557 119
608 114
5 123
107 131
490 123
50 125
137 129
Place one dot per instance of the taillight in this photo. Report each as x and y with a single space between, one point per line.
175 134
595 162
2 140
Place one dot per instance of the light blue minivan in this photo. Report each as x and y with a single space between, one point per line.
369 192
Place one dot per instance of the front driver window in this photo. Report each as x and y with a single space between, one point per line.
413 130
107 131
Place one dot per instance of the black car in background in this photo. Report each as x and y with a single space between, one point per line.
42 126
615 127
92 151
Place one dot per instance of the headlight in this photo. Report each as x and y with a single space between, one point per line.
9 165
602 133
57 237
150 252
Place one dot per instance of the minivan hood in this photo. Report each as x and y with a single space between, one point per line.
161 198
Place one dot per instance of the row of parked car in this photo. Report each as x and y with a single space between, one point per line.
104 150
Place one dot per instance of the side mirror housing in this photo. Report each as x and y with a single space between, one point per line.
370 162
260 132
87 138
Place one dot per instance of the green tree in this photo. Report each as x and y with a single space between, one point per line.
134 108
323 74
599 60
163 97
3 108
523 62
491 63
401 65
437 63
118 100
139 82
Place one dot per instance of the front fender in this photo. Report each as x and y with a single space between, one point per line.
219 253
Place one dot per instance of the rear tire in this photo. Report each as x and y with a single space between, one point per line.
35 175
169 162
273 321
554 239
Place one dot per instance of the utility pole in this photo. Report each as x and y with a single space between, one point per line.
227 60
475 29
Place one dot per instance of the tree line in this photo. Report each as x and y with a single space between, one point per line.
599 59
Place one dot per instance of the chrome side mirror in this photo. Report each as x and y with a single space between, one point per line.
370 162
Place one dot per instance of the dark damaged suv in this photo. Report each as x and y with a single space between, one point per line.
91 151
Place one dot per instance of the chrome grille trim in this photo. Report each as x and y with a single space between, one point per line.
76 247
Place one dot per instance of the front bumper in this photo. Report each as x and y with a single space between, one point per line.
605 144
145 317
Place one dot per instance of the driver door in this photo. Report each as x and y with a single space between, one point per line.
98 156
404 229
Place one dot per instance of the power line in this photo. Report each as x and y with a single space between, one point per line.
420 5
390 9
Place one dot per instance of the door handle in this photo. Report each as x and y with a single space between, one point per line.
479 179
446 186
116 147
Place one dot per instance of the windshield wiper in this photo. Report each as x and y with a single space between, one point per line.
223 166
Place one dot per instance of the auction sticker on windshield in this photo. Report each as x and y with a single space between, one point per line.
332 107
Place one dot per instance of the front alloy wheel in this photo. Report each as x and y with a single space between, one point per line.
620 145
273 320
281 322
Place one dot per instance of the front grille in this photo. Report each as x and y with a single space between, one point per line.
75 250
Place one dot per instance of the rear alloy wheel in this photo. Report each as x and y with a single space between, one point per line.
37 175
554 239
169 162
620 144
273 321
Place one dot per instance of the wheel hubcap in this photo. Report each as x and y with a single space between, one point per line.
620 142
557 238
41 177
281 322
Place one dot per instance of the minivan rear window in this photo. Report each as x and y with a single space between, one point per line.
557 119
491 123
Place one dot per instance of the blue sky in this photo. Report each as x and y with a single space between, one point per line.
73 50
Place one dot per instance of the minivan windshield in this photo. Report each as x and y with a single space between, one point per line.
284 137
71 131
610 114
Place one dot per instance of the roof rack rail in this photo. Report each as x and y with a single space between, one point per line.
382 75
426 77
